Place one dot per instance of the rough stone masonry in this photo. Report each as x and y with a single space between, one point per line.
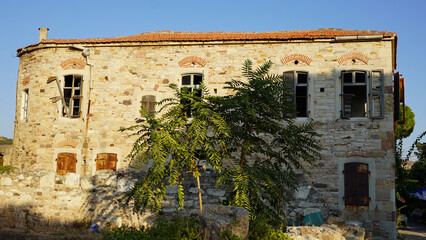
71 100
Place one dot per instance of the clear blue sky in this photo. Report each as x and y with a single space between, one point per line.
20 20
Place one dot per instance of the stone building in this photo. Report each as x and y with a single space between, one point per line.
73 95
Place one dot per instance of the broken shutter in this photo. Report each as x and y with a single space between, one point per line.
148 102
289 81
346 99
356 184
66 162
376 95
396 109
106 161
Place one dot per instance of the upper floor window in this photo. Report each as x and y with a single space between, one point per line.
191 83
362 94
24 108
356 184
298 82
72 96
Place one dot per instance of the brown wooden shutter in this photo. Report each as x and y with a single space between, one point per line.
148 102
66 162
356 184
106 161
1 159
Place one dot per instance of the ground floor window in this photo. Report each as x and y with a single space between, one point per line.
66 163
356 184
106 161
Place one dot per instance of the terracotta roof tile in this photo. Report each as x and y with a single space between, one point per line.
170 36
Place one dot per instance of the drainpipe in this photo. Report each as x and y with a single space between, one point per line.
86 54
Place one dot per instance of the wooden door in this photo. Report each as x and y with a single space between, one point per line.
66 162
105 161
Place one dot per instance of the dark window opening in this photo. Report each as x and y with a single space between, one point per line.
356 184
72 96
354 94
191 83
298 85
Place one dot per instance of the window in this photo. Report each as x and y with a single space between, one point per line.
191 83
362 94
72 96
66 163
298 81
148 102
106 161
24 109
356 184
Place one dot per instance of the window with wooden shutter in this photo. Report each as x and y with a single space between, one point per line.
297 83
106 161
148 102
66 163
356 184
1 159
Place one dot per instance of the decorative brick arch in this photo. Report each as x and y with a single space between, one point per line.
26 81
292 58
192 61
73 63
353 56
356 153
68 143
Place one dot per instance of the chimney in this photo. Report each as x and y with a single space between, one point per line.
43 33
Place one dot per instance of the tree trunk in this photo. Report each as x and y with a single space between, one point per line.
199 195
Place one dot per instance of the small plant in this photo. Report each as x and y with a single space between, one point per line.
178 228
6 168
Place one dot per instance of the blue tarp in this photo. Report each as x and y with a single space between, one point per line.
420 193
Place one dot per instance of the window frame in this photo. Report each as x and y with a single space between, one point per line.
295 84
25 103
191 86
356 191
371 93
68 112
371 162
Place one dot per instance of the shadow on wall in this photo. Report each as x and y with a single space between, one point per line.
38 199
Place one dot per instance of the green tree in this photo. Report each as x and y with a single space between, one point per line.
175 145
405 130
266 147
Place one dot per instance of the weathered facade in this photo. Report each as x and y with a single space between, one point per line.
74 95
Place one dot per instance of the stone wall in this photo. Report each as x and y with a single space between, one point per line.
32 198
123 74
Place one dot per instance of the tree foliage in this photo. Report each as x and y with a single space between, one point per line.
266 147
175 146
408 180
405 130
